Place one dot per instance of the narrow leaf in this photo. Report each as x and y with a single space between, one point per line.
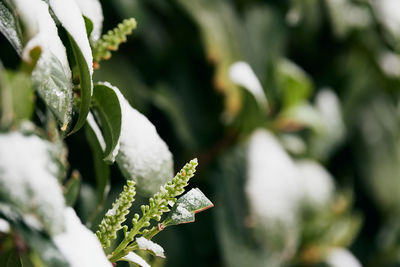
186 207
108 111
86 85
101 169
71 189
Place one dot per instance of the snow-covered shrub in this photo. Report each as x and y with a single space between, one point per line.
50 97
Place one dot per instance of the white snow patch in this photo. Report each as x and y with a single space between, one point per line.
390 63
79 245
28 179
70 16
181 214
143 156
389 13
273 186
42 31
4 226
243 75
146 244
340 257
318 185
135 258
92 10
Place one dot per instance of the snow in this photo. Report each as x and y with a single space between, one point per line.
340 257
133 257
92 10
388 12
143 156
390 63
243 75
28 180
4 226
181 214
318 185
42 31
146 244
273 187
70 16
92 123
79 245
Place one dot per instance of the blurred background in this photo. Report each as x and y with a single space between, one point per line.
291 107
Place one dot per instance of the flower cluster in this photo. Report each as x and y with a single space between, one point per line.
112 221
112 39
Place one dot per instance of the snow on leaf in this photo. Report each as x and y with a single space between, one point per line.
79 245
143 156
187 206
108 110
92 9
70 16
9 28
242 74
28 180
272 186
52 75
135 258
149 245
4 226
318 185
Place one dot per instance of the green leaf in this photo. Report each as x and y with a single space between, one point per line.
186 207
88 25
71 189
54 87
17 98
108 111
10 29
101 169
86 85
294 83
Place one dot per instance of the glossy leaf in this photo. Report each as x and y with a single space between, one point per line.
108 111
187 206
86 85
54 87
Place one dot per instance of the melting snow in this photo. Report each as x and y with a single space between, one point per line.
146 244
92 10
92 123
28 179
79 245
